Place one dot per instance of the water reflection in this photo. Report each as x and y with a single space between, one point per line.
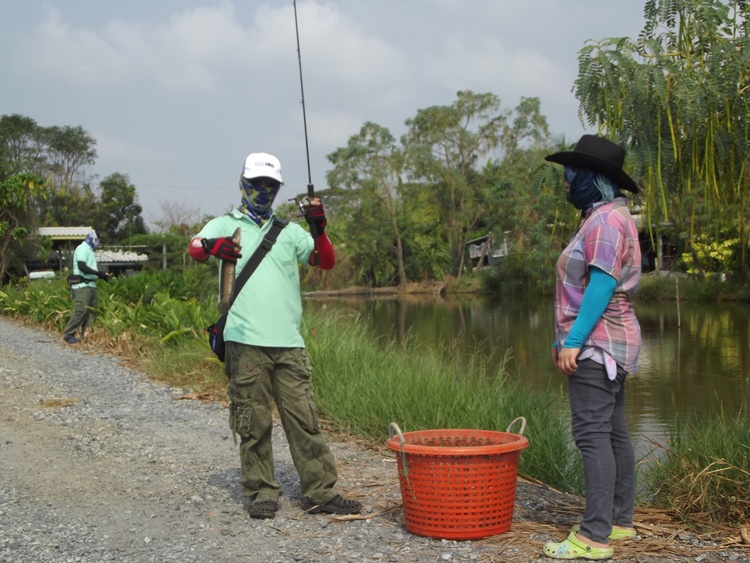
695 358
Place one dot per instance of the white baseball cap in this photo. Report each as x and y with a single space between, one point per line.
261 164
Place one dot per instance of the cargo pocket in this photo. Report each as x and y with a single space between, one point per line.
310 419
314 420
241 419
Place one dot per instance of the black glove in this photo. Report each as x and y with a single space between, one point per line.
223 248
316 219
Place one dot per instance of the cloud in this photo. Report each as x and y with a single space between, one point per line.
185 53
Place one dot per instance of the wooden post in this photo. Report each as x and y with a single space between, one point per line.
659 252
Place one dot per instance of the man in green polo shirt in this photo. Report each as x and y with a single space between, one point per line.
84 291
265 353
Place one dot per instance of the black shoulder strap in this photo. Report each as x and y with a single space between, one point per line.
260 253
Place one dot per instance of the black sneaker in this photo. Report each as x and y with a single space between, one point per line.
337 505
263 509
71 340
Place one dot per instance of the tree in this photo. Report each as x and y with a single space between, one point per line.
180 219
18 145
69 208
678 97
371 162
60 155
67 154
15 220
70 150
515 177
443 146
118 215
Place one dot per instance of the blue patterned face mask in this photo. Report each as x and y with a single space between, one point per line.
257 197
92 240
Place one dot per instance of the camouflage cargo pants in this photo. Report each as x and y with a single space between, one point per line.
258 375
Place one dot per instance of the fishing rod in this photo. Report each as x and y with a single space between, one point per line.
305 203
310 187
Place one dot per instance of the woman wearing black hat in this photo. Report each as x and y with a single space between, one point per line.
598 340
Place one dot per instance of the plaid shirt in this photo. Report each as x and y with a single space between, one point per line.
607 239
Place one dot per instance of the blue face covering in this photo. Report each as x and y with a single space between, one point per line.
257 200
588 187
92 240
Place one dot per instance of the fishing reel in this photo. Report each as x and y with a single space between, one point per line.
302 203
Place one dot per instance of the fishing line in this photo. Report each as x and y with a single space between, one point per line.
341 75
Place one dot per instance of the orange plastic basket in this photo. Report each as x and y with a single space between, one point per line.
457 484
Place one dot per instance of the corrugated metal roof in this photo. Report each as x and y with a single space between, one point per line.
109 256
64 232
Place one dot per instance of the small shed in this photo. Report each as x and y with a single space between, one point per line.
482 253
658 251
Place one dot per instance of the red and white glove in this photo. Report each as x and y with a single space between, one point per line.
223 248
315 216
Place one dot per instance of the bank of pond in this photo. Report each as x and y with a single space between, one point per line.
364 381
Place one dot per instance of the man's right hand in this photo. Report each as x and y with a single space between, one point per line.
223 248
315 216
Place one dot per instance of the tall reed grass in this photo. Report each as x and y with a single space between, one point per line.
704 474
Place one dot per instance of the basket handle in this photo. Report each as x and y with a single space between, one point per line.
393 429
520 419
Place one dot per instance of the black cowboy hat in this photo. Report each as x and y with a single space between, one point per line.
600 155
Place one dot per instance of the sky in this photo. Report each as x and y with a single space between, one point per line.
178 92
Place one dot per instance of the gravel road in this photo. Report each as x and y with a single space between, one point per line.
99 464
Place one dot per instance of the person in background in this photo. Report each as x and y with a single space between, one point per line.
85 302
598 341
265 354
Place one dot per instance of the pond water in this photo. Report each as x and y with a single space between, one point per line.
695 357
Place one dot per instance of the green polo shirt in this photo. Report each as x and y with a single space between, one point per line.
84 253
268 310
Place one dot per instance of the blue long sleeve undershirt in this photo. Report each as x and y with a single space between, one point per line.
595 300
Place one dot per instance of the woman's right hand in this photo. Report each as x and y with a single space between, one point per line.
567 360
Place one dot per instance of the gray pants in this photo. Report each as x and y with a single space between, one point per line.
258 375
597 408
85 303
